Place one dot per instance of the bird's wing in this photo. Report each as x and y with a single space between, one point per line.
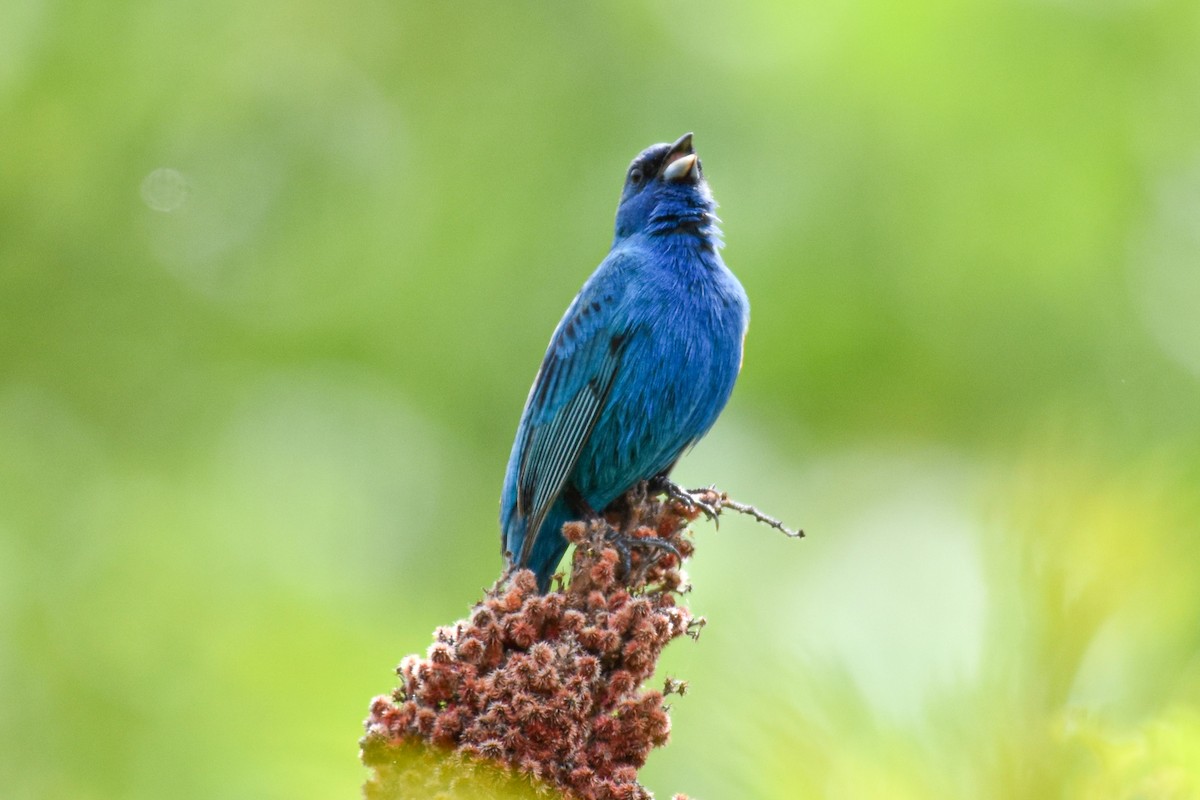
567 398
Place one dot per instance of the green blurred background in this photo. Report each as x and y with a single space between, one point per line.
275 279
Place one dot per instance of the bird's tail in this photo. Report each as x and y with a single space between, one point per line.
548 546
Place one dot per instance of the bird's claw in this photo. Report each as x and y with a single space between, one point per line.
690 499
624 544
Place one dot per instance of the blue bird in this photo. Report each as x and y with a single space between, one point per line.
638 368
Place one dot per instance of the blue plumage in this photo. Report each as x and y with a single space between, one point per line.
638 369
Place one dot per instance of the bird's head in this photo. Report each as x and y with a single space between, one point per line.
665 192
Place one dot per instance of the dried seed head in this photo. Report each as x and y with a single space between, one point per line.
550 684
440 653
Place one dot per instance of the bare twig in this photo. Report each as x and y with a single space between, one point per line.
710 499
751 511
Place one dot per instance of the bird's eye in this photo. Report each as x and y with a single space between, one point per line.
636 176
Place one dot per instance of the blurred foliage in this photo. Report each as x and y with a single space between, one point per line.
275 278
414 771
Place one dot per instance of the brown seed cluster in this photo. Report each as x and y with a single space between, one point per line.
550 685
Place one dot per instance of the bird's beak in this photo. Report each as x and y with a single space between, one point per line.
680 163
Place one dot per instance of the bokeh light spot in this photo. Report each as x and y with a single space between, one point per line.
165 190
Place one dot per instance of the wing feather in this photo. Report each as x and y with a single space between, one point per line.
567 399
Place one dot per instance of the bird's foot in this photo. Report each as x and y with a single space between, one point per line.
691 499
625 544
712 502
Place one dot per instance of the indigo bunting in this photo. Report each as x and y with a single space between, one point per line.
638 368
